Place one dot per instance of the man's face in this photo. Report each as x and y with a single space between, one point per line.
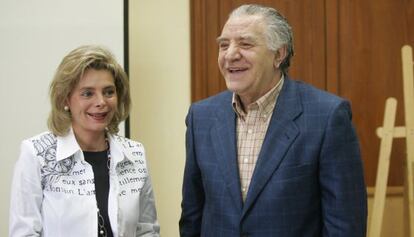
244 59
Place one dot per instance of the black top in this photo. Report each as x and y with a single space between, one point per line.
98 160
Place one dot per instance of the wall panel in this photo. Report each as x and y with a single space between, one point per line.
350 48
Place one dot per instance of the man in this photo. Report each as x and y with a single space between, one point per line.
271 156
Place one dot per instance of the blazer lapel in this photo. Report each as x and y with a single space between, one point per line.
280 135
224 143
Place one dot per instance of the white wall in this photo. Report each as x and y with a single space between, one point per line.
34 37
160 85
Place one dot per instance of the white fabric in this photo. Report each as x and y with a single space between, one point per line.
53 191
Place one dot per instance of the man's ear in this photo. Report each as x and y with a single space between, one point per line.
280 56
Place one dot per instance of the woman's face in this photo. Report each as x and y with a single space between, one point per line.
93 102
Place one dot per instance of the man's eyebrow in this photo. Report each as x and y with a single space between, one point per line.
245 37
248 38
220 39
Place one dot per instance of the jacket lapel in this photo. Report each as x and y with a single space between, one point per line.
280 135
224 144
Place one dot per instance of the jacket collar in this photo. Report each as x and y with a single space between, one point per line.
68 146
120 148
280 135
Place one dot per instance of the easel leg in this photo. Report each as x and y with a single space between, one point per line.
408 74
383 168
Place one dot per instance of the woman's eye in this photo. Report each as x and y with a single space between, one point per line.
86 93
109 93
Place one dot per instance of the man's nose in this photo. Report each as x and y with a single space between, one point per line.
233 52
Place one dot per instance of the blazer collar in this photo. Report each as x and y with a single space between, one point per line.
281 133
223 134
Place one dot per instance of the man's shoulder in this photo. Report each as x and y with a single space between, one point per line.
221 99
310 94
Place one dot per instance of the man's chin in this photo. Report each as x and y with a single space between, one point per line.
233 86
232 89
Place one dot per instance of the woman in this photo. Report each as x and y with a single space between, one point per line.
80 178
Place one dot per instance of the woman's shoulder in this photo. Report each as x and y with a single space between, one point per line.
41 146
133 150
42 135
129 145
44 139
125 141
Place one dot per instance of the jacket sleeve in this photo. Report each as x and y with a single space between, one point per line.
193 193
26 195
344 198
148 224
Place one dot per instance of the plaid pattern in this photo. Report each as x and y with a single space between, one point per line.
251 130
308 180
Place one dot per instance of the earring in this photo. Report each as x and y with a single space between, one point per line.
66 108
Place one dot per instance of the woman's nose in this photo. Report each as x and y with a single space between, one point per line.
100 100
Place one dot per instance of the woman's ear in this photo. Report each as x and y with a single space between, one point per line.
66 105
280 56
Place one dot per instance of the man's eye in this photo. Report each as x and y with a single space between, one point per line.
223 46
246 45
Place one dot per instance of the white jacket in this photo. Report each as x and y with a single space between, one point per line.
53 191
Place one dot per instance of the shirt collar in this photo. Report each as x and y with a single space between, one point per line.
265 104
118 149
68 146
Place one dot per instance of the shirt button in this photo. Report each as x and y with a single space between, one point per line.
246 160
244 189
249 131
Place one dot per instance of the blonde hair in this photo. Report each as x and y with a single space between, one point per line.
67 76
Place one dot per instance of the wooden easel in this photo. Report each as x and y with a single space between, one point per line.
387 132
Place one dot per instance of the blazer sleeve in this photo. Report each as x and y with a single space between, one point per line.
344 198
26 195
193 193
148 223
